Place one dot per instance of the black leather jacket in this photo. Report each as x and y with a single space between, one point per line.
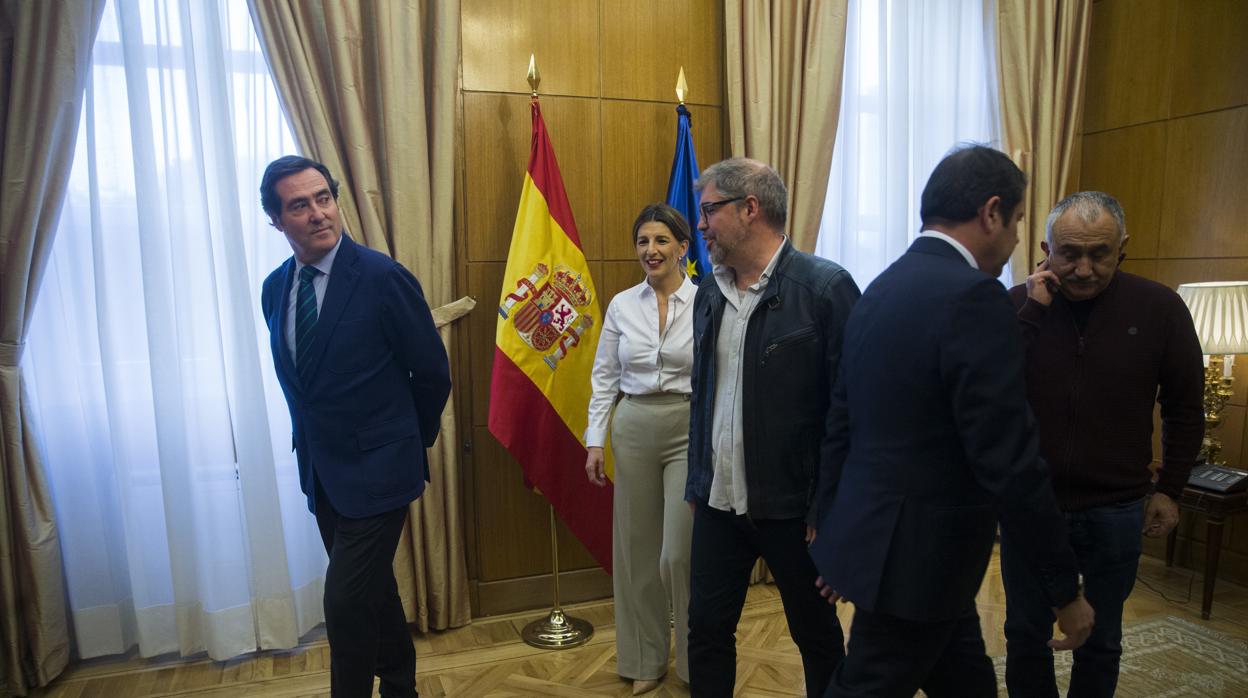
792 347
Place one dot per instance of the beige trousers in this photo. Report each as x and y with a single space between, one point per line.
651 533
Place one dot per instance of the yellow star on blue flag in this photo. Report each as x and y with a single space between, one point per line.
684 197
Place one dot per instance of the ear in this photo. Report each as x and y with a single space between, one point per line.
752 207
1044 247
684 247
990 211
276 222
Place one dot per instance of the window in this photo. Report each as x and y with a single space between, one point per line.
166 437
920 78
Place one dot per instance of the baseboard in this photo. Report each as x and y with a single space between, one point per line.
536 593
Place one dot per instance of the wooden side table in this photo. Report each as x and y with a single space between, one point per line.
1216 507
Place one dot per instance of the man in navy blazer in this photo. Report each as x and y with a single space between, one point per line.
929 443
365 377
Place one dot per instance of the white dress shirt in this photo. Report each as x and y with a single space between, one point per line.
635 358
966 254
319 284
728 489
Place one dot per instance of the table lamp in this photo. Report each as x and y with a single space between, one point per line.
1220 312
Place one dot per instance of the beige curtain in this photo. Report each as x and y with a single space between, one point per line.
370 87
45 56
1042 51
785 61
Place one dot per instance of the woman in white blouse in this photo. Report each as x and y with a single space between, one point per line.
645 353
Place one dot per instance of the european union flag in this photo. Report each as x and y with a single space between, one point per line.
682 196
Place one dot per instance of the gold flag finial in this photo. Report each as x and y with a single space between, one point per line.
535 78
682 87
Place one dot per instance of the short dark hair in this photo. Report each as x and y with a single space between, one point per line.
281 168
668 216
967 177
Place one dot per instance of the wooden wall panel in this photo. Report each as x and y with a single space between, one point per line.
505 509
1231 431
1128 72
1173 272
639 139
1211 55
645 43
1141 267
485 283
1126 163
503 504
499 35
498 128
618 276
1204 208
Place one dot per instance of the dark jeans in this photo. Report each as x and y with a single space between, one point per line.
1107 544
890 657
725 548
364 620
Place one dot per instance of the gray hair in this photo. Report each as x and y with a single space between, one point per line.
1088 205
741 177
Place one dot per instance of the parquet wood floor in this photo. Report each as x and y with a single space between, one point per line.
488 658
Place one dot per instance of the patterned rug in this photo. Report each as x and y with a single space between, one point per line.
1167 658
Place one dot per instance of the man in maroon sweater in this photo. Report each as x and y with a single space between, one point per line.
1102 346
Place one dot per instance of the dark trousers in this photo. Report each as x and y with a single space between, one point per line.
891 657
1107 545
725 548
364 620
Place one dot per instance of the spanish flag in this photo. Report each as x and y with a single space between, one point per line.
548 325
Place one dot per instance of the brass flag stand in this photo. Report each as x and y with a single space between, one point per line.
558 630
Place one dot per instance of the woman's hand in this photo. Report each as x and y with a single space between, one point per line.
594 466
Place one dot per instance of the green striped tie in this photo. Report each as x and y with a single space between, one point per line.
305 320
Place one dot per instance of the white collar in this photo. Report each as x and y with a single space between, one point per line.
324 264
966 254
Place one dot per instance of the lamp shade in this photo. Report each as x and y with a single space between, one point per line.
1220 313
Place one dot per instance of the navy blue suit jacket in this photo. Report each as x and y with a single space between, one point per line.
929 441
376 387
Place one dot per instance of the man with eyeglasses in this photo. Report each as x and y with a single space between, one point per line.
1103 348
767 339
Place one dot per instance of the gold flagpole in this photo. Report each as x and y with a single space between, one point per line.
558 630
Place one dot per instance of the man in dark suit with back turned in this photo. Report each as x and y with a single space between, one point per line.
365 377
930 442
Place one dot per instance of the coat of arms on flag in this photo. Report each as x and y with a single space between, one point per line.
549 314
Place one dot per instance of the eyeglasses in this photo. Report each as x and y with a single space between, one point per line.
710 207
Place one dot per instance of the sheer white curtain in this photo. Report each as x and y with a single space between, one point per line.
920 78
167 438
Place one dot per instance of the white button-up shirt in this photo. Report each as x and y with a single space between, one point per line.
728 488
635 358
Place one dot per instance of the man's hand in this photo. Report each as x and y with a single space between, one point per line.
827 592
1042 284
810 534
1075 620
1161 515
594 466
